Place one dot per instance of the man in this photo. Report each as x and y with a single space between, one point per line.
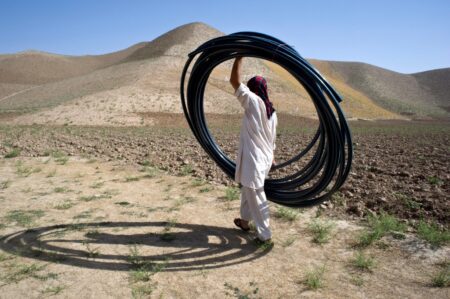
256 146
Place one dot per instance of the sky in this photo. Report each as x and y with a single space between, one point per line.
400 35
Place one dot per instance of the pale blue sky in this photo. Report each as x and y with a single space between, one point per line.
404 36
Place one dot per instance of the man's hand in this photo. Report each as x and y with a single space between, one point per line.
235 78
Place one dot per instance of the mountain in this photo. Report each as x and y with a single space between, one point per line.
121 88
407 94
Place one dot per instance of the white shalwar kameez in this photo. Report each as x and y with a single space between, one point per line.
254 160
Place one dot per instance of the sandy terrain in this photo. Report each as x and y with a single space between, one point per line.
82 228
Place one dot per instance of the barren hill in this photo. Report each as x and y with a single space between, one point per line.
34 67
408 94
121 88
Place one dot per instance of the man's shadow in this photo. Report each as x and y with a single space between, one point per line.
176 246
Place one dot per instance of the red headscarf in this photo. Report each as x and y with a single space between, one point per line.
258 85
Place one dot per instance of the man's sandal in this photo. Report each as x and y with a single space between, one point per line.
238 223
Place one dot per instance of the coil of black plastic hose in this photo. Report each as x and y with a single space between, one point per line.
329 166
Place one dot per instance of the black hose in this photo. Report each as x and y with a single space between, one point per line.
329 166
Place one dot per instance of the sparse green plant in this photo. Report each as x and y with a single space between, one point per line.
433 180
131 179
140 274
13 153
83 215
59 157
110 193
140 291
408 201
234 291
206 189
150 172
51 173
24 170
167 234
231 193
60 190
5 184
197 182
22 271
363 262
379 226
289 241
287 214
54 290
146 163
103 195
321 231
168 188
122 203
97 185
24 218
338 198
91 252
27 190
442 278
357 280
184 200
93 233
134 257
264 245
186 170
432 234
64 206
314 278
4 257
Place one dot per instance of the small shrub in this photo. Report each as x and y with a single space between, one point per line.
314 278
205 189
24 218
434 180
60 190
150 172
288 242
54 290
231 193
441 279
379 226
186 170
60 157
5 184
167 235
197 182
64 206
131 179
432 234
91 252
233 291
320 230
97 185
146 163
363 262
22 271
287 214
24 170
140 291
13 153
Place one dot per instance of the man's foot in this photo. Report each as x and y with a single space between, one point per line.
242 224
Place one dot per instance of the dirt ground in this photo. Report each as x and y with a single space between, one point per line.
400 167
77 227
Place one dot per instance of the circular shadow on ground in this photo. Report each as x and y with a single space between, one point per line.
120 245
